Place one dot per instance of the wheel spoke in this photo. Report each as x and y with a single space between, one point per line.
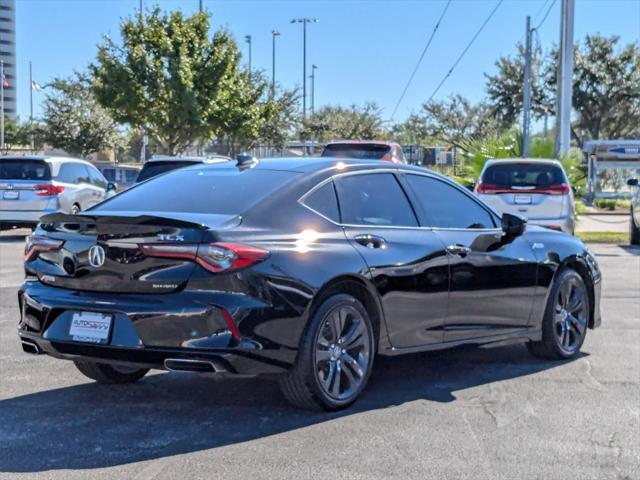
575 301
322 355
566 338
352 376
577 323
354 336
337 376
564 294
352 365
326 381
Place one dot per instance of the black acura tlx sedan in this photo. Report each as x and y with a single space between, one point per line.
305 269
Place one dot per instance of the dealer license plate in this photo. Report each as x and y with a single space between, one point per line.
90 327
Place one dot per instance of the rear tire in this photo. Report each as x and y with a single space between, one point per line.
634 231
108 374
566 317
335 357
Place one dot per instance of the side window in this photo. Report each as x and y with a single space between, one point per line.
374 199
72 173
323 200
96 178
447 207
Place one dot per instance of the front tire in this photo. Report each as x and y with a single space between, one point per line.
566 317
108 374
335 357
634 231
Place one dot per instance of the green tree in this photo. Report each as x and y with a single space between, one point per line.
455 120
606 88
73 119
505 88
285 121
170 77
354 122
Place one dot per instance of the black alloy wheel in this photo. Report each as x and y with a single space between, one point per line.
566 318
335 357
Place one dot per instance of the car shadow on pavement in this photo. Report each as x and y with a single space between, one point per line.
631 249
95 426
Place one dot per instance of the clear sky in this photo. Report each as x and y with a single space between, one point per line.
365 50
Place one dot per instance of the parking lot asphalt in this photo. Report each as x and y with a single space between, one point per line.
463 413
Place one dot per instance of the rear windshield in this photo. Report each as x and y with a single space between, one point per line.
24 169
152 169
362 151
201 190
523 175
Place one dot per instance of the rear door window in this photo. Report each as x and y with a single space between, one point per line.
72 172
323 200
24 169
374 199
445 206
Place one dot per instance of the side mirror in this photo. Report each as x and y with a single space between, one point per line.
112 186
513 225
632 182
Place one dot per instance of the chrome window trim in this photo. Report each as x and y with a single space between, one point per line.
396 171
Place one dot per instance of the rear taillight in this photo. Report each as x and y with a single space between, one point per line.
48 190
387 158
215 257
36 244
559 189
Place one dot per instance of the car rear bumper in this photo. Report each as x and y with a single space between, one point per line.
22 217
146 330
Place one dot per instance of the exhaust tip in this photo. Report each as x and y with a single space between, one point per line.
188 365
30 347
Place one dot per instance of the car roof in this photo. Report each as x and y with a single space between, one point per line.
540 161
315 164
168 158
45 158
362 142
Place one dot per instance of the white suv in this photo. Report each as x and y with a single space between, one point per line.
533 188
35 185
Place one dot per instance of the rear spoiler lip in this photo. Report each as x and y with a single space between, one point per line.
170 219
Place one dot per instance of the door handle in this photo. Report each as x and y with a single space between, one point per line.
459 250
371 241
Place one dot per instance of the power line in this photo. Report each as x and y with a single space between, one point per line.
465 50
545 15
424 51
540 9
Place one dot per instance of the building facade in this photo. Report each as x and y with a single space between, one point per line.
8 55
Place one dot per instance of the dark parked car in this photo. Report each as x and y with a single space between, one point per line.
634 218
303 268
365 150
161 164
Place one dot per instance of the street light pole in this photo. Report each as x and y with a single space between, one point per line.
304 22
313 87
247 38
274 34
2 104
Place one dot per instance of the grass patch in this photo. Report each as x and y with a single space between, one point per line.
581 208
603 237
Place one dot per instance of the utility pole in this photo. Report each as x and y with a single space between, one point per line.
565 79
274 34
526 93
200 6
313 87
304 22
31 104
247 38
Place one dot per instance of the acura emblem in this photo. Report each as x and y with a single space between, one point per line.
96 256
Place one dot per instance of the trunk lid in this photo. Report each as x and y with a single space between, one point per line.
102 251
